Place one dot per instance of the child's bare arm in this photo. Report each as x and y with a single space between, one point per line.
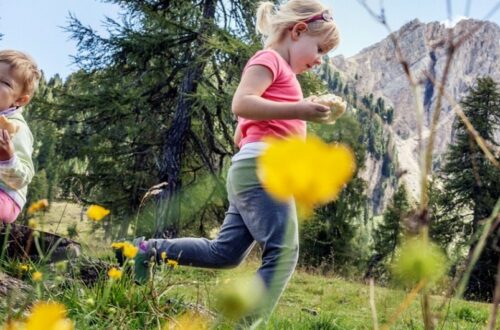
237 136
248 103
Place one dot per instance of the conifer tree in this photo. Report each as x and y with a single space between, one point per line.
387 235
472 182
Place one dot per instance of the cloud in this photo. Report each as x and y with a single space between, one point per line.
454 21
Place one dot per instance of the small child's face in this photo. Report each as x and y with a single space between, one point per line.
306 52
10 88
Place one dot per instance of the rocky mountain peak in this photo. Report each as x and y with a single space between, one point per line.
376 70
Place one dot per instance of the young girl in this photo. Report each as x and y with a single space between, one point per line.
268 102
19 76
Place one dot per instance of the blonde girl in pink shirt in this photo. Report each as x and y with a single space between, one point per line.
268 102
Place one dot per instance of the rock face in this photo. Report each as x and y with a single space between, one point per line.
377 70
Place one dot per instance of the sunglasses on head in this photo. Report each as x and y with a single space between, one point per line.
323 16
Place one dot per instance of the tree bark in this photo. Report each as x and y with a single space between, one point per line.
168 202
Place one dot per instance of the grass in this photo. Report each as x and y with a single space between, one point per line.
310 301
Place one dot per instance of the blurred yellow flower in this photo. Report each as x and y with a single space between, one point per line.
118 245
311 171
32 223
24 267
37 276
172 263
163 256
129 250
96 212
14 325
40 205
114 273
188 321
48 316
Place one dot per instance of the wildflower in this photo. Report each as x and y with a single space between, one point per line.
61 266
188 321
13 325
37 206
90 301
172 263
97 213
24 267
238 297
311 171
37 276
130 251
114 273
163 256
48 316
419 260
33 224
118 245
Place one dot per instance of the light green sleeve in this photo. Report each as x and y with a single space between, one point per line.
18 173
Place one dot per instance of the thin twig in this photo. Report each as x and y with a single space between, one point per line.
410 297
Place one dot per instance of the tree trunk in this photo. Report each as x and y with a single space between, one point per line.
168 202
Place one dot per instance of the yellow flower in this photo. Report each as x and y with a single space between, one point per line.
188 321
33 224
130 251
48 316
14 325
310 171
114 273
40 205
96 212
163 256
37 276
172 263
24 267
118 245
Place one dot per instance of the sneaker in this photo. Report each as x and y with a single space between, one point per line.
145 260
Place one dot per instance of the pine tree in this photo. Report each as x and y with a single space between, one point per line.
387 234
473 183
328 236
152 102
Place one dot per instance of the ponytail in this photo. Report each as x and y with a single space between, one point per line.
264 16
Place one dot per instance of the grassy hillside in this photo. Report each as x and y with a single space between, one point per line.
310 302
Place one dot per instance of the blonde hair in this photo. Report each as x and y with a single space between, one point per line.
273 23
25 68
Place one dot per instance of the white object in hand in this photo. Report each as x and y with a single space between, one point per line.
336 104
9 125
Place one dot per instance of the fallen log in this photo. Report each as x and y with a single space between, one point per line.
22 242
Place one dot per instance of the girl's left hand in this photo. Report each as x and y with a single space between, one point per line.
6 146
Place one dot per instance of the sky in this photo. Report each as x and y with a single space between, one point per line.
37 26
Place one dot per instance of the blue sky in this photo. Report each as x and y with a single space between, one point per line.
36 26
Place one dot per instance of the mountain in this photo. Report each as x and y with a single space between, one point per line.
376 71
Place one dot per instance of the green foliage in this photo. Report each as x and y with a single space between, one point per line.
327 238
472 182
114 118
388 234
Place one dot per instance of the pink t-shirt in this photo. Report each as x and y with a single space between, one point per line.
284 88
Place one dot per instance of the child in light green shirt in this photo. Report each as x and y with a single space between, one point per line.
19 76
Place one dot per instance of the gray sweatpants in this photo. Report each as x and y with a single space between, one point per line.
253 216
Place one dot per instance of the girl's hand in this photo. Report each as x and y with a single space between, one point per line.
310 111
6 146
